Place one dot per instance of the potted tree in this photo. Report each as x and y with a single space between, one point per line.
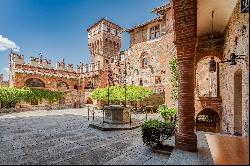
155 131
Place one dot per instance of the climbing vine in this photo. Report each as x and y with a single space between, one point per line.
133 93
174 78
11 96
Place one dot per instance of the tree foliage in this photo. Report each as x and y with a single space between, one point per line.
117 93
11 95
155 131
174 78
167 113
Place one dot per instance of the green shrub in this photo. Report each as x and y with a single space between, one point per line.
168 114
155 132
174 78
117 93
9 96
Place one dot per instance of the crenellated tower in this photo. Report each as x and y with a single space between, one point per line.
104 40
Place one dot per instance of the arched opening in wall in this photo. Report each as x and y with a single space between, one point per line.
141 82
144 60
61 85
62 101
207 120
206 82
89 85
34 82
89 101
76 87
34 102
238 103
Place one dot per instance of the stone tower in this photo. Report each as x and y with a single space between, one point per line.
104 40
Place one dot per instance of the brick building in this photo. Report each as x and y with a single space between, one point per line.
211 100
215 101
151 50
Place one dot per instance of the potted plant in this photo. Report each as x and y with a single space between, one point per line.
167 113
154 132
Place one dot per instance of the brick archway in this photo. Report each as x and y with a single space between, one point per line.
36 78
208 120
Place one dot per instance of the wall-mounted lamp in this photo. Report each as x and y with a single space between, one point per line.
212 65
244 6
233 59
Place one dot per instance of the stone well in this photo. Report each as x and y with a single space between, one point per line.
116 114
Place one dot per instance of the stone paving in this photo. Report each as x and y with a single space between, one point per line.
63 137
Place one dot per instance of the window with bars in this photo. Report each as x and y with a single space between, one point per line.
154 32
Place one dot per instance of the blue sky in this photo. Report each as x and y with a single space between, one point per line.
57 28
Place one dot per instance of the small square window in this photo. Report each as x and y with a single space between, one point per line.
154 32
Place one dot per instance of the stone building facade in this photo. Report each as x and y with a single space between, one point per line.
225 92
212 101
151 50
235 79
39 73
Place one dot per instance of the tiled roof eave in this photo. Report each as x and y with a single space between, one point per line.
102 19
144 24
159 9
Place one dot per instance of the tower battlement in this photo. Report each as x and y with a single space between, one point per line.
104 39
36 63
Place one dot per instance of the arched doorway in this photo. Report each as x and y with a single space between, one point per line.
89 101
238 103
34 82
61 85
207 120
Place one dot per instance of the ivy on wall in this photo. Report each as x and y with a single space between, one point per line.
174 78
11 96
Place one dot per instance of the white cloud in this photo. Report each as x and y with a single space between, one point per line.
6 44
6 69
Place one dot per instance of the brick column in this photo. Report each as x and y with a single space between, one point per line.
185 28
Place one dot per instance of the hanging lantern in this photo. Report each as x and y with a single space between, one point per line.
212 62
212 65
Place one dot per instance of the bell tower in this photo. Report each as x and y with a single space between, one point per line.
104 40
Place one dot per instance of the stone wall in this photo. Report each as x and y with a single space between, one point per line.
158 52
236 41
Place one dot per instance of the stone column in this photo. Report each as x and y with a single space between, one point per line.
185 28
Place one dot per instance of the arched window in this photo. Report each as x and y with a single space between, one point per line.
62 101
62 85
34 82
144 60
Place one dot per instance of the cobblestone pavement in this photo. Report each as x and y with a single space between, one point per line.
63 137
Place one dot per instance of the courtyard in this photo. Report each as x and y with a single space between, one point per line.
63 137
